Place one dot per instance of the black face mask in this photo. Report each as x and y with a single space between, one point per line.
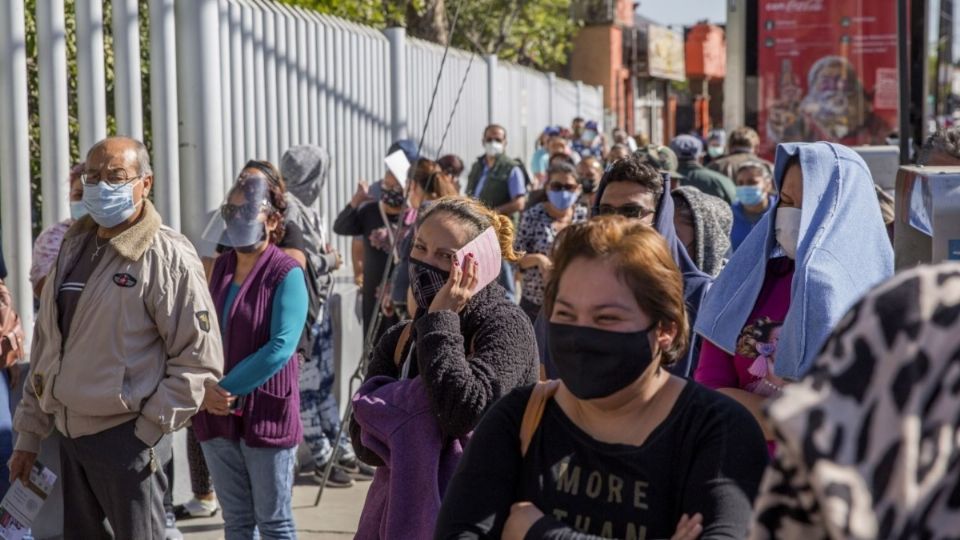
595 363
589 185
426 281
393 199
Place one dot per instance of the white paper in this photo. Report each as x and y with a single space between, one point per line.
399 165
22 503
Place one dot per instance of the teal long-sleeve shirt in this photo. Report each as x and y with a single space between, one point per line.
286 325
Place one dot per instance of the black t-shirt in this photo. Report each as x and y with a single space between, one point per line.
367 221
708 456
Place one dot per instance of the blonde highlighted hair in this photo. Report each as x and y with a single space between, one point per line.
476 217
643 262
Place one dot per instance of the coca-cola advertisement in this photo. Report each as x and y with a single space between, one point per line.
828 71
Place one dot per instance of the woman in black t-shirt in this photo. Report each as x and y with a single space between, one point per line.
623 449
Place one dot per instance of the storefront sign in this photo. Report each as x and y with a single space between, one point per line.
663 58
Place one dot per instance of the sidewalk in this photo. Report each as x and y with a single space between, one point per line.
335 519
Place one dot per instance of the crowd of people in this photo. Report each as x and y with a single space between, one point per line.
620 340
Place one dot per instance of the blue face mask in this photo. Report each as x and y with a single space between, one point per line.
77 210
562 200
109 207
750 195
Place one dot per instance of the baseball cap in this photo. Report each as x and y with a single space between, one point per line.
686 147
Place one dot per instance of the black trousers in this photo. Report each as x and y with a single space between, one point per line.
113 475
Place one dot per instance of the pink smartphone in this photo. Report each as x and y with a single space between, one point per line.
486 249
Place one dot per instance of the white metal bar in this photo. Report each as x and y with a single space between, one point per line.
54 131
127 96
271 74
226 97
15 159
163 111
281 65
259 83
201 151
91 77
398 81
242 122
303 80
313 86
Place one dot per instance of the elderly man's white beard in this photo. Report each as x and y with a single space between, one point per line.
831 111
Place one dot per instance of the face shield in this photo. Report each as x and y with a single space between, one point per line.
240 223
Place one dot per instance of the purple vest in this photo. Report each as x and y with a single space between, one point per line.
271 413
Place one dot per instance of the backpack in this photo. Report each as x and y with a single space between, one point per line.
11 331
319 284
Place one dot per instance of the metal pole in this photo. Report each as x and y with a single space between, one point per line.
201 148
313 86
397 37
163 111
226 97
258 83
552 98
54 131
91 77
127 96
281 66
903 69
271 74
15 216
491 88
303 79
241 121
579 98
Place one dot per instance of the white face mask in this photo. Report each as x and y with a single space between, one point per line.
787 229
493 148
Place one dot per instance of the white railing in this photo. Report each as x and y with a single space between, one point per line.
232 80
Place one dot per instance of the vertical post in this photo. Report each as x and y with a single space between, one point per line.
281 65
270 75
126 69
397 37
15 159
163 111
491 88
91 77
198 73
552 98
241 120
734 96
580 98
226 97
903 69
54 132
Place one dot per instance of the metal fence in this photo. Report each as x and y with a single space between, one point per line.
232 80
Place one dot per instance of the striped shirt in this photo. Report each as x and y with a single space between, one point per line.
75 280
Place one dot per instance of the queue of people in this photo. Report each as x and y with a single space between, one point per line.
623 342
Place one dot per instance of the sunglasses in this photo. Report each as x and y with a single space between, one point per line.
632 212
248 212
556 186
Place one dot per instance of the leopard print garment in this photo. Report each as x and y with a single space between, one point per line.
868 442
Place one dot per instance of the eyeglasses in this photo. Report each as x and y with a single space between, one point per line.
113 179
556 186
630 211
247 211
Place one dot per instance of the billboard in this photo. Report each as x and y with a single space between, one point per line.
661 53
827 71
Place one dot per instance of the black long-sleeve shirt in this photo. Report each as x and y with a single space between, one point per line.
708 456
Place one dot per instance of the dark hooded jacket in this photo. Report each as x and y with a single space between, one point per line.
695 283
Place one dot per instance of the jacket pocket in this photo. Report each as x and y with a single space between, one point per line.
92 390
270 418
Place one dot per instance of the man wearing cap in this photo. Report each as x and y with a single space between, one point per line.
744 143
689 151
376 224
590 142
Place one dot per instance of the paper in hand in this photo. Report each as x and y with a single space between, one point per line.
486 250
22 503
399 165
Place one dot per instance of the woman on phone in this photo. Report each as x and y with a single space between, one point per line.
618 447
437 375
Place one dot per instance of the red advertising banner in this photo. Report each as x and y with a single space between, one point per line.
827 71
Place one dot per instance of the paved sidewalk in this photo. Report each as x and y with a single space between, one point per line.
335 519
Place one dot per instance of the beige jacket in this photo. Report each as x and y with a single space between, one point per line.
143 341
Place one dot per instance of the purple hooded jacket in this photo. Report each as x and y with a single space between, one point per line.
399 426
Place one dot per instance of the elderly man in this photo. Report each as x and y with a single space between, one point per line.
744 143
125 343
689 151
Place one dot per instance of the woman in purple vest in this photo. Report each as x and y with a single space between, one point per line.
250 426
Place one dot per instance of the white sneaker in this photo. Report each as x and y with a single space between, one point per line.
197 508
